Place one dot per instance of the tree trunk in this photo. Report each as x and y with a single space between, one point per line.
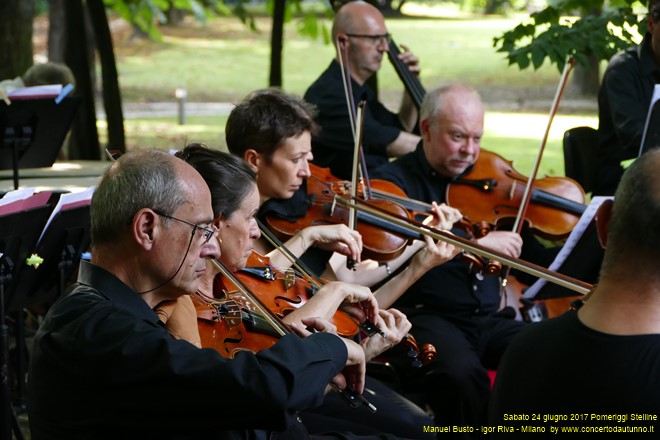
587 79
110 80
56 30
16 18
277 44
84 142
174 15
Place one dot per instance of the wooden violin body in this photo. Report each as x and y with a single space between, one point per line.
492 192
283 292
380 243
230 324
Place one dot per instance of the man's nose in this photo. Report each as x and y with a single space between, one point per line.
212 248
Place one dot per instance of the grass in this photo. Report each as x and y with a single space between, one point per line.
222 61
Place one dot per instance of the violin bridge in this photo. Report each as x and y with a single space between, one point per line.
289 278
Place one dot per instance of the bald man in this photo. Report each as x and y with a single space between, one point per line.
360 35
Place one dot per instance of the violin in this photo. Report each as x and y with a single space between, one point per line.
417 356
282 292
221 328
229 323
417 210
381 242
493 190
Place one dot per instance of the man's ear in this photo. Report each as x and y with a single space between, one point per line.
603 217
342 40
144 228
424 128
252 158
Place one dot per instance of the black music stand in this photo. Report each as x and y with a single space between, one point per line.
32 132
61 246
19 232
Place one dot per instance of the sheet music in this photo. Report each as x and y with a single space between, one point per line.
17 194
32 92
67 200
25 203
654 98
571 241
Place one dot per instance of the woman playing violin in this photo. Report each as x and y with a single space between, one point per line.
279 152
361 36
235 201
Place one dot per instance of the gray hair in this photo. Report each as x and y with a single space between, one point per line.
434 100
138 179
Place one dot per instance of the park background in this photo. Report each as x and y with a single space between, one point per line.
220 51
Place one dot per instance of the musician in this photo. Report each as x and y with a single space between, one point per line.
235 200
360 33
623 103
603 358
271 130
450 306
103 366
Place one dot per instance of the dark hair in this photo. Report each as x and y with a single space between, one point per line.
229 178
634 224
265 119
654 10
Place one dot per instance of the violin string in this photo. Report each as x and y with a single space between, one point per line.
274 321
410 80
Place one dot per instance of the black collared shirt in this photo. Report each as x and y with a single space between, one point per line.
333 146
103 366
623 103
451 288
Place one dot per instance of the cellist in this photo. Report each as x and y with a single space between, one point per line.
361 37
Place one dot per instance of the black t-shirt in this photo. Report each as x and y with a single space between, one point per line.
562 368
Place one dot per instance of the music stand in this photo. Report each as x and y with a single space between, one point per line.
32 132
18 235
583 263
61 246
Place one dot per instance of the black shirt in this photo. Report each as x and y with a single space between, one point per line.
333 146
623 103
450 288
103 366
562 368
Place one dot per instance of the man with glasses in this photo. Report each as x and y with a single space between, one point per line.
362 40
104 367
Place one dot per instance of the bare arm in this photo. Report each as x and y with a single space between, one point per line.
337 238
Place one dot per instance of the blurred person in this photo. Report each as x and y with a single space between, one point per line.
359 30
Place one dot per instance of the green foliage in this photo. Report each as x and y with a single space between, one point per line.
549 34
146 13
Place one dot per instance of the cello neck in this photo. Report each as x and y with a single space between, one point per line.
410 81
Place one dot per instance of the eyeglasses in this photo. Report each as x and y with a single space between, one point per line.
375 40
207 233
